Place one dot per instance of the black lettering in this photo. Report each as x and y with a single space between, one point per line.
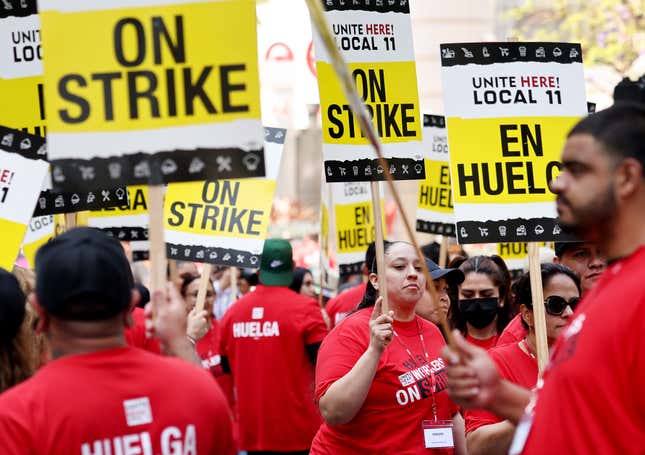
512 177
159 31
444 175
236 220
147 93
139 200
503 132
332 111
177 213
210 216
140 42
254 219
390 120
486 178
193 213
530 177
171 93
407 120
536 141
72 98
463 179
107 79
550 168
228 87
191 91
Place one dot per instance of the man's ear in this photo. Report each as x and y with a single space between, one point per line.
43 316
135 298
629 177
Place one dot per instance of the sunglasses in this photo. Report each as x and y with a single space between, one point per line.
555 305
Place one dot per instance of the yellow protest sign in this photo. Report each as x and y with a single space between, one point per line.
21 176
435 210
128 221
376 42
509 107
515 254
130 83
354 223
223 221
21 82
40 230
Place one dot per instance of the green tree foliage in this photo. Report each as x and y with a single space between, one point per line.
612 32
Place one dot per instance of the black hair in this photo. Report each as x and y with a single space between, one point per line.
432 251
522 287
251 276
371 294
620 128
495 268
298 277
186 279
144 292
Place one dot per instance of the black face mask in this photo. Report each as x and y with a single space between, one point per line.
479 312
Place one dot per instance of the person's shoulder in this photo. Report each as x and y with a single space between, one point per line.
505 354
358 320
429 328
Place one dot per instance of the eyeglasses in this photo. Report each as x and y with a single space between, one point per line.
555 305
209 294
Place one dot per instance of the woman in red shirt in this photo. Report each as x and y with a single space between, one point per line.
516 362
380 377
483 307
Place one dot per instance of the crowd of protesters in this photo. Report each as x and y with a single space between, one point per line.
262 367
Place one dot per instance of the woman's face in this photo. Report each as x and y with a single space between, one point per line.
405 282
429 310
307 286
563 286
477 286
191 296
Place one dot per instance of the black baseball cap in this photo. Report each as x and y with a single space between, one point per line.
452 276
83 275
276 265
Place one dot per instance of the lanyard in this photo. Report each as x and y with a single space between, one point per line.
433 379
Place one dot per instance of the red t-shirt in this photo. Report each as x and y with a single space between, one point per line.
136 335
116 401
344 303
400 398
515 366
487 344
264 337
514 332
592 400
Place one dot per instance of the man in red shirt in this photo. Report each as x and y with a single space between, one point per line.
98 395
590 401
269 343
344 303
584 258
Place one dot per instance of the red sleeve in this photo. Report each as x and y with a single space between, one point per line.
14 427
339 353
513 333
225 325
475 418
314 327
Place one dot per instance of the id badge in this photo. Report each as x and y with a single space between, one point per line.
438 434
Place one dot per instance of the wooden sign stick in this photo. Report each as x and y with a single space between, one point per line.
443 252
378 243
70 221
539 313
367 127
204 281
156 237
233 272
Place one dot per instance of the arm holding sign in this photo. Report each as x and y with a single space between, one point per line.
474 382
346 396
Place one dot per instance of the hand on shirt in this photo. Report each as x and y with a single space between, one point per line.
381 329
473 379
197 324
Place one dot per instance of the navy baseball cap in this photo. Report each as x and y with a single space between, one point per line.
83 275
12 307
452 276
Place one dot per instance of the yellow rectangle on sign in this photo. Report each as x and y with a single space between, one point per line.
435 192
506 160
151 67
21 103
238 208
11 234
355 226
390 92
138 204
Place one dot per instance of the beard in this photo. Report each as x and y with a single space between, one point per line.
588 221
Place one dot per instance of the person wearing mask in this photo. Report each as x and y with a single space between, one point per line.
589 400
303 282
482 308
339 307
584 259
269 344
487 434
97 394
379 376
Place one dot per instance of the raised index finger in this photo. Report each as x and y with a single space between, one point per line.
378 309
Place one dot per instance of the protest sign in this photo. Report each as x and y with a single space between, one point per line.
223 221
51 202
21 82
354 224
435 212
140 250
127 222
39 231
515 254
22 171
376 42
151 91
509 107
